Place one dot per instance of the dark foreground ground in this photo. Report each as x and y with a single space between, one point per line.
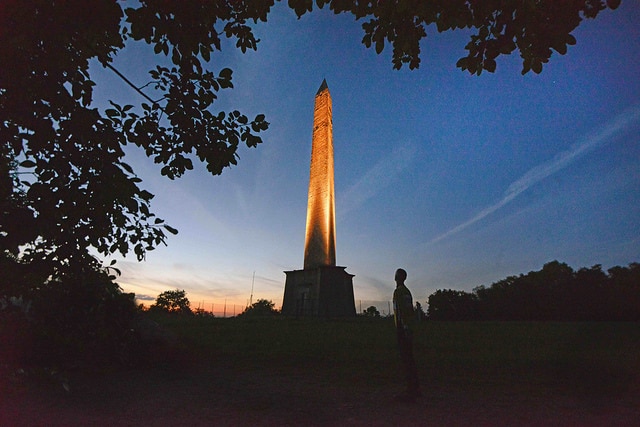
216 396
201 388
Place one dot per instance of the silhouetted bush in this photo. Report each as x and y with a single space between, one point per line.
260 308
371 311
79 316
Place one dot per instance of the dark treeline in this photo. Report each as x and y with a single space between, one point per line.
556 293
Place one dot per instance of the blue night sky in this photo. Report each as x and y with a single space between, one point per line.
461 180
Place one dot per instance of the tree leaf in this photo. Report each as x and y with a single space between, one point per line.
205 52
126 167
613 4
226 73
170 229
490 65
536 66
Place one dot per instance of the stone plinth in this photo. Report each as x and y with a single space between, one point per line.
319 292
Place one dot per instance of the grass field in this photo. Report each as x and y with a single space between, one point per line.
589 360
279 371
594 355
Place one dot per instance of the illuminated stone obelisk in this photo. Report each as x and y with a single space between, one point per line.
320 241
321 288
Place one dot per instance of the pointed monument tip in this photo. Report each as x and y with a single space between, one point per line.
323 86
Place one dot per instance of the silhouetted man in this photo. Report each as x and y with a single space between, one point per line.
405 319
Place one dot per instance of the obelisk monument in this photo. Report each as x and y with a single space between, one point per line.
321 288
320 240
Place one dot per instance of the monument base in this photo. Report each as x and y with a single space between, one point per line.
319 292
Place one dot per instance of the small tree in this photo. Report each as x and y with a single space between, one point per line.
262 307
172 302
371 312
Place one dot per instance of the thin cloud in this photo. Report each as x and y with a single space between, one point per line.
376 178
142 297
619 124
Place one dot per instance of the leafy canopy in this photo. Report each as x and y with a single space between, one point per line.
532 27
65 186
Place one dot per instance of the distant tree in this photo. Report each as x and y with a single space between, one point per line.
625 283
371 311
557 292
172 302
201 312
260 308
420 312
590 293
450 304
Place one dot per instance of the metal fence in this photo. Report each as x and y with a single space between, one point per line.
223 309
385 308
219 309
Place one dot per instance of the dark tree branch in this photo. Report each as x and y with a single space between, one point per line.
130 83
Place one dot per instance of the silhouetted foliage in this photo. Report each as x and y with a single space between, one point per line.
534 29
371 311
451 305
175 302
260 308
80 193
556 292
81 314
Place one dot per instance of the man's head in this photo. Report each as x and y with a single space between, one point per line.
401 276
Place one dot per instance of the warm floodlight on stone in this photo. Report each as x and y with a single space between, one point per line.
321 288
